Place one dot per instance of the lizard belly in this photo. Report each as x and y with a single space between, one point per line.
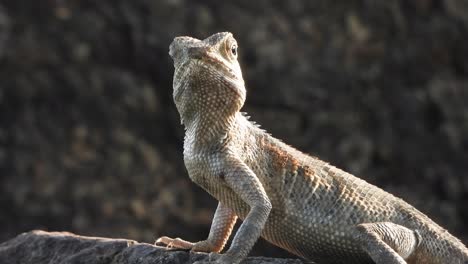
316 217
306 237
314 239
301 226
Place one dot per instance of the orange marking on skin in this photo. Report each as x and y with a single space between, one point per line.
284 161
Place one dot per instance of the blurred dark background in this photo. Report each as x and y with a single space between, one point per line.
91 142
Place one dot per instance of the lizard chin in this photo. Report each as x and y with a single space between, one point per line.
225 98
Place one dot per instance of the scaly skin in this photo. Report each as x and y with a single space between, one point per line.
293 200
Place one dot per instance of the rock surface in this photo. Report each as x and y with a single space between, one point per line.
39 247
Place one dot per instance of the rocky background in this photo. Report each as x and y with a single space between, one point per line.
90 141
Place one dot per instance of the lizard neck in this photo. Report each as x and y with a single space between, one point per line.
206 129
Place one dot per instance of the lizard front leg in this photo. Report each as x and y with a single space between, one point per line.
244 183
221 228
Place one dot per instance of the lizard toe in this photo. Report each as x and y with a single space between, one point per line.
173 243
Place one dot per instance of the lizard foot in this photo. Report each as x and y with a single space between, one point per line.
174 243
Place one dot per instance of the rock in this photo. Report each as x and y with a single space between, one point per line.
63 247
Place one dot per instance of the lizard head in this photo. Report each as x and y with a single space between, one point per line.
207 77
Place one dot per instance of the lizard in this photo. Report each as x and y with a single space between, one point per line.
293 200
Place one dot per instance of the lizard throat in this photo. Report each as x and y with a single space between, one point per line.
207 130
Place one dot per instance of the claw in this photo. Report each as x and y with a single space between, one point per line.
173 243
167 241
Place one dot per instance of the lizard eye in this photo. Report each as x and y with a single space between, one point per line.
234 49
